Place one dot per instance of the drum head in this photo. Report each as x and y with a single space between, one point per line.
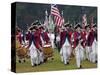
47 45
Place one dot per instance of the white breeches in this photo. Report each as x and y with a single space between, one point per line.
79 55
35 55
94 52
91 52
88 52
41 57
65 54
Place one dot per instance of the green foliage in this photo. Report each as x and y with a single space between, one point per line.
26 13
52 65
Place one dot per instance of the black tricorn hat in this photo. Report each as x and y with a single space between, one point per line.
78 26
41 27
94 25
70 25
33 27
67 25
36 23
87 26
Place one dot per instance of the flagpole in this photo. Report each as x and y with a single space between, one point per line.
53 18
46 19
62 17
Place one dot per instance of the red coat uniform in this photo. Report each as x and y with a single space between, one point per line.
45 37
70 36
63 36
83 35
77 38
74 42
37 38
28 36
90 38
19 37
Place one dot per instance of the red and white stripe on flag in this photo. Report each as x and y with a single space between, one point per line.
57 18
84 20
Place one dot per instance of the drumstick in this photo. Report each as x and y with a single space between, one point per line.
40 48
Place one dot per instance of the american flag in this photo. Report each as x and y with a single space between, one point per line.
84 21
63 20
57 17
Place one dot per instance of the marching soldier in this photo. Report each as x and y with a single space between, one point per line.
39 44
89 42
65 46
94 46
32 47
78 47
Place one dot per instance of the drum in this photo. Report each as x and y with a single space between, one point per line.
22 52
47 50
18 45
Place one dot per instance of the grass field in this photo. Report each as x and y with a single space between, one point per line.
51 65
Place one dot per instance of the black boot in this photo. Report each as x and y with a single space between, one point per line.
80 66
19 61
96 61
24 60
45 59
52 58
68 63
